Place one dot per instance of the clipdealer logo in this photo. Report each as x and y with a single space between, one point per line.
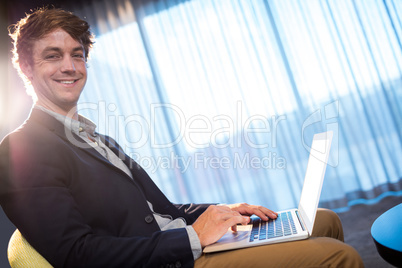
198 133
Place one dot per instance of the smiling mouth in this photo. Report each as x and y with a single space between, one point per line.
67 82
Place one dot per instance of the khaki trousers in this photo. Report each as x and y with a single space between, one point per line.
324 249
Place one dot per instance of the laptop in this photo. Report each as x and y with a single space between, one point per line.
293 224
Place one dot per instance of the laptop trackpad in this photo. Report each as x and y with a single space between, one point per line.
243 233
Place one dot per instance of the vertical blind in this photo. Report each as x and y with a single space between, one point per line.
219 100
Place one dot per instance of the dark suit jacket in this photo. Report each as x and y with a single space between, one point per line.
78 210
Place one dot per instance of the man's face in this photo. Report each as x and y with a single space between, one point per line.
58 73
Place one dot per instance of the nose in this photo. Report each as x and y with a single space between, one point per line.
67 65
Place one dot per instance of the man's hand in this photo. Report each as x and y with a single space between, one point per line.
214 223
260 211
216 220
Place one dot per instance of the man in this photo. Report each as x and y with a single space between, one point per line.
80 201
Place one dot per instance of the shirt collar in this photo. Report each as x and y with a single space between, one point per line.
83 123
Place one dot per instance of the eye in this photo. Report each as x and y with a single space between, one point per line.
78 56
51 56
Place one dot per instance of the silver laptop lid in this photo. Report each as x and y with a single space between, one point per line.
317 163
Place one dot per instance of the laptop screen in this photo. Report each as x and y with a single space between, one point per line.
316 166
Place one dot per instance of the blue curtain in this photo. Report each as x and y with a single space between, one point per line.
219 100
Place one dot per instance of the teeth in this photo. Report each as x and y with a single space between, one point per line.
67 82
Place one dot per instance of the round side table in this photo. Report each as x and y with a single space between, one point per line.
387 234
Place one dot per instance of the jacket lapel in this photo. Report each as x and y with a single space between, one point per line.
58 128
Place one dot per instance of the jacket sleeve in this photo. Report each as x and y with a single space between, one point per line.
37 198
192 211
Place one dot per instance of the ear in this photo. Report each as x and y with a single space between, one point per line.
26 70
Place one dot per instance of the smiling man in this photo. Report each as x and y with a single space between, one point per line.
92 206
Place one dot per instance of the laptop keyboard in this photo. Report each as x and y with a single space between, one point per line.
283 225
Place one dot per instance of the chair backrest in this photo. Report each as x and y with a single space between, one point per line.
21 254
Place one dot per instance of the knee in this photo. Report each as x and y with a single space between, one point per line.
327 215
328 224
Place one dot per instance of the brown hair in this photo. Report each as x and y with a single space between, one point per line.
40 23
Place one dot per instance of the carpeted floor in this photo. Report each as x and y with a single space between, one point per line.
357 225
